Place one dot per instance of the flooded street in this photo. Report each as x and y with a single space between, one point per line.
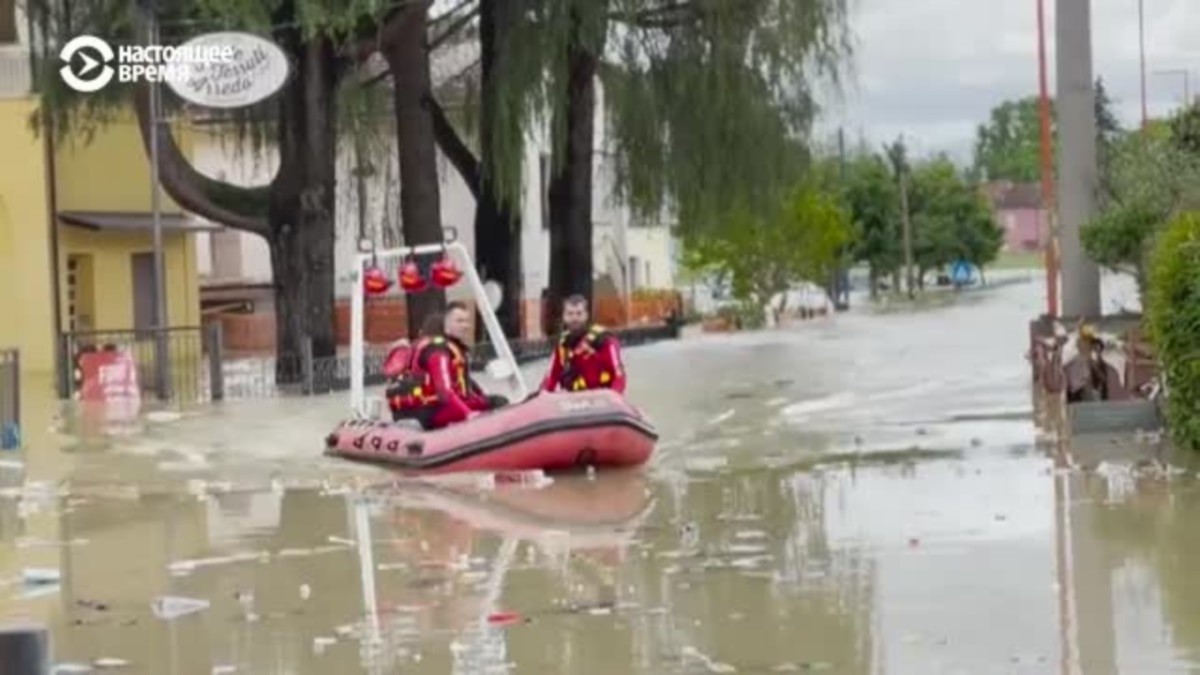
868 494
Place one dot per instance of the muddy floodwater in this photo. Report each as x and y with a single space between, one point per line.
867 494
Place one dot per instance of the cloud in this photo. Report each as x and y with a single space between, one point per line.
932 69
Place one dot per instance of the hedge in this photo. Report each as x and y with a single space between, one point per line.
1172 316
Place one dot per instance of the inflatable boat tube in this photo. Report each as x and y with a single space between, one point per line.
551 432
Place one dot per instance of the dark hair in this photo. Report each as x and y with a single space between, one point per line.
575 299
454 305
433 325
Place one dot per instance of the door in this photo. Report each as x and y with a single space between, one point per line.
143 291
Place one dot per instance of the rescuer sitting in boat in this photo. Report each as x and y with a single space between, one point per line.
436 388
587 356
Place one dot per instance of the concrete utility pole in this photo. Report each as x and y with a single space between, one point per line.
1077 172
909 282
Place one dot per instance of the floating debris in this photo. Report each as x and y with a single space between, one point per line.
187 566
172 606
320 644
108 663
503 618
38 576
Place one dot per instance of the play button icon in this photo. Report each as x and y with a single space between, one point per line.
88 64
93 44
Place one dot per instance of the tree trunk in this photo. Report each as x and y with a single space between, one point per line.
873 282
301 218
571 186
497 227
295 213
407 56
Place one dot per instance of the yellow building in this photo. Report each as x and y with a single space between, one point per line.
97 253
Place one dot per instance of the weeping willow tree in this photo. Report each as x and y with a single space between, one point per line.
327 42
709 104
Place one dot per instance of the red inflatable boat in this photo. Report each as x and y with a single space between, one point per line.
550 432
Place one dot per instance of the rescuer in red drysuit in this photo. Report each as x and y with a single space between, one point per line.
436 388
587 357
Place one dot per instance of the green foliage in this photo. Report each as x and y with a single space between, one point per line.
951 220
1173 322
1185 130
763 257
1008 145
710 102
1150 179
873 200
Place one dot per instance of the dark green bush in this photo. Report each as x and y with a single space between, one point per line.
1172 316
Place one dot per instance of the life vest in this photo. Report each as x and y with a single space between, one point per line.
414 389
576 376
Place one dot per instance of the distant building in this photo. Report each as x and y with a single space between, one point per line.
1017 208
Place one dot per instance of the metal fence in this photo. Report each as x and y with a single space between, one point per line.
172 364
259 377
187 365
10 399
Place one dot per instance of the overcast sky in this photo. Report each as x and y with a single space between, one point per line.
932 69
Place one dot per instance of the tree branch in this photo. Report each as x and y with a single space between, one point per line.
241 208
453 29
451 144
667 15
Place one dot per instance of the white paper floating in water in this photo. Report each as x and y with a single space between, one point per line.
65 668
305 592
172 606
223 670
40 575
110 663
321 643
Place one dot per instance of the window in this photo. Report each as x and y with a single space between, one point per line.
8 22
142 271
544 175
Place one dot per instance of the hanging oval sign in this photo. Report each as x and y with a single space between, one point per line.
228 70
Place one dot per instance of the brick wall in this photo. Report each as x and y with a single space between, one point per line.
387 320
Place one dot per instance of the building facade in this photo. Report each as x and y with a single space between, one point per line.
1017 208
76 248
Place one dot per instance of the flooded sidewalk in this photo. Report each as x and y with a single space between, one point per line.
867 494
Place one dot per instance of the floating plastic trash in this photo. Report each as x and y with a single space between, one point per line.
10 436
110 663
503 618
172 606
38 576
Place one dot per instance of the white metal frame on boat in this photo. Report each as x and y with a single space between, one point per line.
508 369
